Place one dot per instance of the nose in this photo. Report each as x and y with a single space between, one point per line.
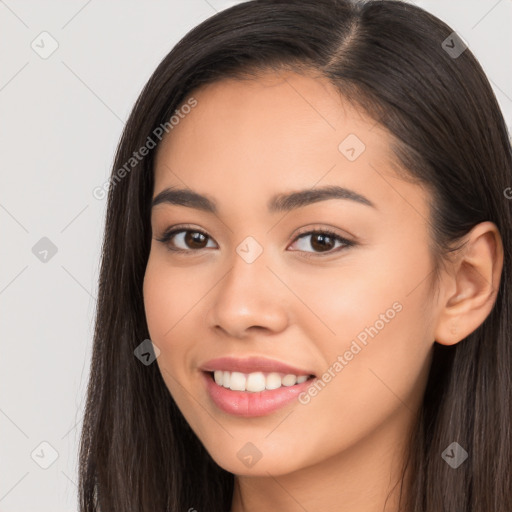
249 299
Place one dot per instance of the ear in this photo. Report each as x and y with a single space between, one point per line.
471 285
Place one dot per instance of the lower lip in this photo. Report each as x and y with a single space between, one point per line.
248 404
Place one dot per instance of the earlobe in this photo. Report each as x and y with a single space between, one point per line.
472 285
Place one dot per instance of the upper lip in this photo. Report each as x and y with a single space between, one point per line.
252 364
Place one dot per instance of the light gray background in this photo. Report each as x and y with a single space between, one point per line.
60 120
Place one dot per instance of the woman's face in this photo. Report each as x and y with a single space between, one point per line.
252 281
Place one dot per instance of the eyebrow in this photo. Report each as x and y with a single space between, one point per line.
278 203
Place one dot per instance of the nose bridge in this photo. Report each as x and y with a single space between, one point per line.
249 294
248 267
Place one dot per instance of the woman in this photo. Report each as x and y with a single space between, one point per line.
304 298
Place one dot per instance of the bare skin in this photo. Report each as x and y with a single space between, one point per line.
244 142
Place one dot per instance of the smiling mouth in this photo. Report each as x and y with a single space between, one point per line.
256 382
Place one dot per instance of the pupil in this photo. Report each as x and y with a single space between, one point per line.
322 245
193 238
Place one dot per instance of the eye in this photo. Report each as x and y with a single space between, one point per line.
322 241
184 239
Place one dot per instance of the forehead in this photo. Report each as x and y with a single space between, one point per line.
273 119
280 130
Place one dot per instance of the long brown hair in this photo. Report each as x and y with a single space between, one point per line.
137 452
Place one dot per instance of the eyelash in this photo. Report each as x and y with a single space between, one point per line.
169 233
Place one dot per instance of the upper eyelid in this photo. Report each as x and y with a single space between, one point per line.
302 231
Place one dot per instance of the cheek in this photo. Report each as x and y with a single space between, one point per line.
165 304
161 289
168 297
374 312
170 303
376 367
365 289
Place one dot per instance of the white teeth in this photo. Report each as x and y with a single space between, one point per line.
289 380
273 381
256 381
237 382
